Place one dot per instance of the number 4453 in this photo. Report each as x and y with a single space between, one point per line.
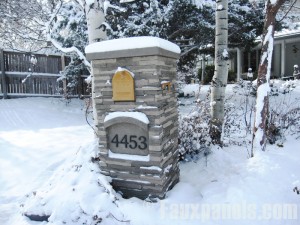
131 141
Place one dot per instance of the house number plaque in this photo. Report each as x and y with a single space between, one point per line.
127 136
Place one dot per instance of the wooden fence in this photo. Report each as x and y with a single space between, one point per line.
19 77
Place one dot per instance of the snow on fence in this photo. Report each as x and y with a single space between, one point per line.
19 77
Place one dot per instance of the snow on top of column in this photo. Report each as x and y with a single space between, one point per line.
131 43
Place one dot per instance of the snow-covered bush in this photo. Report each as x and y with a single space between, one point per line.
194 132
288 86
237 122
275 88
281 119
284 116
239 112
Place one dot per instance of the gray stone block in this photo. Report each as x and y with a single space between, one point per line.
126 176
155 140
110 161
103 61
127 186
141 83
104 173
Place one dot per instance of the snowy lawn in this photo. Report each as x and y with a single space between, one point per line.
37 135
46 170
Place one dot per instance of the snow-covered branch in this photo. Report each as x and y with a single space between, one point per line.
53 27
107 5
70 50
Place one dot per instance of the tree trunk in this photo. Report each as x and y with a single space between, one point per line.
219 80
259 139
95 17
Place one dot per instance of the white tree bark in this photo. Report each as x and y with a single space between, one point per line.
219 80
95 16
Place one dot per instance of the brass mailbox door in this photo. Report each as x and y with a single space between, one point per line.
123 86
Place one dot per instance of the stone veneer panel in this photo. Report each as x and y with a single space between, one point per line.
139 177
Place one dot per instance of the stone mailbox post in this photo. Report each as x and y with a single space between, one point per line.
136 116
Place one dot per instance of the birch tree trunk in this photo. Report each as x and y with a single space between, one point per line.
94 11
260 129
219 80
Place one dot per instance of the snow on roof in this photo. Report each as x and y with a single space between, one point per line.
284 33
136 115
288 32
131 43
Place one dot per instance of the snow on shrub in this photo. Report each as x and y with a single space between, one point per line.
194 138
194 131
284 117
281 119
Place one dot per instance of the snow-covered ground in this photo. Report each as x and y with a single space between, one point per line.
37 135
45 152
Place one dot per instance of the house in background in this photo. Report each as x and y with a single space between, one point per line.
286 54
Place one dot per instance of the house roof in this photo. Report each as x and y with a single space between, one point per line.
289 35
288 32
286 35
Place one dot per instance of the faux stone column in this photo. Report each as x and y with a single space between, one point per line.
137 138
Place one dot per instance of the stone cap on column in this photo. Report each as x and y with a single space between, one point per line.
132 47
